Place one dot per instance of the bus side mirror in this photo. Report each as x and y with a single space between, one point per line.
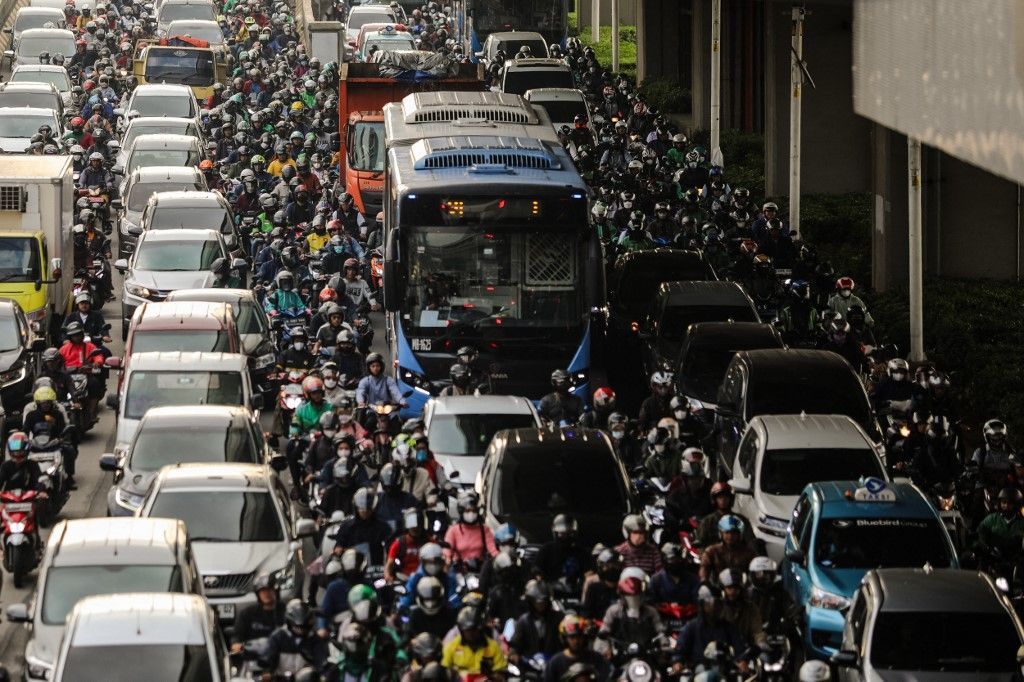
394 285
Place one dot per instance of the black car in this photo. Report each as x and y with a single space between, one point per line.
530 475
787 381
677 305
18 344
707 351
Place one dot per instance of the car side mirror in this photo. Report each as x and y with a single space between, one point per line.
305 528
108 462
797 556
239 264
18 613
112 362
740 486
38 345
118 111
116 204
121 264
135 231
8 29
845 658
278 462
9 54
256 401
114 402
118 169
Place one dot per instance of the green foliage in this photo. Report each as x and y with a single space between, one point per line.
603 47
666 95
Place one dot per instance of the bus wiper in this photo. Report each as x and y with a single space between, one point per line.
8 278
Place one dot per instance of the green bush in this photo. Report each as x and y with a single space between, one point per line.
666 95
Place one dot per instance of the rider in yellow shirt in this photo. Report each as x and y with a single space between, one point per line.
472 652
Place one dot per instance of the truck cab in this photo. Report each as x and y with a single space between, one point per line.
194 64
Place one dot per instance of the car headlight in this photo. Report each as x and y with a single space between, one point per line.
12 375
265 360
127 500
38 668
826 600
136 290
772 525
285 578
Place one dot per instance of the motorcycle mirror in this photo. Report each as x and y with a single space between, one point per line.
112 362
18 613
108 461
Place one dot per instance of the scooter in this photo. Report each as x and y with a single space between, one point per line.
290 396
47 452
22 547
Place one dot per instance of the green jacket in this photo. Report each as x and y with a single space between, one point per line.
307 416
666 465
996 532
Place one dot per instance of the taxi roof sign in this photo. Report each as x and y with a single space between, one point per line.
873 490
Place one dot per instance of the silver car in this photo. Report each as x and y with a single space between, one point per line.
17 126
34 41
180 435
241 524
139 187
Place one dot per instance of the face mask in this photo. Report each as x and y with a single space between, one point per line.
845 293
330 383
659 448
298 345
680 414
469 517
344 418
329 433
343 452
618 435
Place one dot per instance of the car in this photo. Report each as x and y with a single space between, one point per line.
186 209
929 625
253 326
786 381
510 42
134 635
242 526
53 74
387 39
17 126
183 434
35 41
368 14
677 305
707 352
176 378
520 75
18 342
200 29
156 125
166 260
161 100
176 10
838 531
780 454
35 17
158 150
460 428
88 557
529 475
191 326
37 95
139 187
562 104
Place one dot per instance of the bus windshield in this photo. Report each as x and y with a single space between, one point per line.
180 65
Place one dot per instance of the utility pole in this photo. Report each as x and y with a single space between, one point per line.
615 36
916 294
797 72
716 83
595 21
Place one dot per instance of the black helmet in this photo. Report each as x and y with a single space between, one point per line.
469 618
220 266
374 357
459 375
537 591
425 646
1011 494
560 379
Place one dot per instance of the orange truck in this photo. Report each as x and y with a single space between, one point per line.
362 94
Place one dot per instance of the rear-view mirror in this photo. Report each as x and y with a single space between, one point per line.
108 461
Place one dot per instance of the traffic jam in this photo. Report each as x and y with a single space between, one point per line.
437 352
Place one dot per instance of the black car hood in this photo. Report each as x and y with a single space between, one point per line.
9 357
535 529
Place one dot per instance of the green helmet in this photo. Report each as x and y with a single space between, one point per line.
361 593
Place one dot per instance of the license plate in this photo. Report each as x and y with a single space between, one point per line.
18 507
226 611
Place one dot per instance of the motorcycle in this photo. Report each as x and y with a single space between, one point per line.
946 499
98 199
22 547
377 268
287 321
47 452
290 396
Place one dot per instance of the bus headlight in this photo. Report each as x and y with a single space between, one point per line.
412 378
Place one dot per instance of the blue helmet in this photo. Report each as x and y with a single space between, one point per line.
506 534
730 523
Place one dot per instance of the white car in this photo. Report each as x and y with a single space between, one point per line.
17 126
155 125
366 14
34 41
161 99
36 17
200 29
55 75
460 429
779 455
562 104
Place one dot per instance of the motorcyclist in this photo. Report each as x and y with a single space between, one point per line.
404 551
798 316
637 550
709 626
96 174
79 353
364 529
459 375
560 406
896 387
327 333
296 354
19 472
431 612
677 581
52 367
432 564
469 540
284 299
659 404
261 618
995 456
376 388
629 620
722 498
472 651
295 644
604 406
739 610
357 291
663 459
1000 533
562 559
765 589
626 446
841 301
92 321
479 378
45 410
393 500
692 500
304 421
731 552
599 590
838 339
577 650
224 277
536 631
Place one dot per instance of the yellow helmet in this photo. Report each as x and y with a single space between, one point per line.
297 106
43 394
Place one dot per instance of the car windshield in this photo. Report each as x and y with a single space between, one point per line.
787 472
221 515
153 129
563 110
357 19
19 259
66 585
581 480
24 125
790 394
150 662
638 283
157 447
10 336
26 20
211 34
366 147
33 46
468 435
40 100
192 340
141 192
518 81
676 319
181 66
58 79
146 158
512 47
184 217
162 105
388 44
704 367
148 388
169 12
880 542
178 256
955 642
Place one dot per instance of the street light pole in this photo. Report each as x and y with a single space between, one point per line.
716 83
615 36
595 21
916 293
797 83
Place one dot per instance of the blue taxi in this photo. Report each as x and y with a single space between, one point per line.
842 529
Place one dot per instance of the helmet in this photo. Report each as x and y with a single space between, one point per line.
763 571
44 394
630 585
898 366
815 671
298 615
374 357
311 384
604 397
365 499
572 625
430 595
730 524
633 523
845 283
721 488
425 645
74 329
432 558
351 263
995 432
661 380
265 581
469 618
564 525
506 534
83 297
537 591
17 443
731 577
459 375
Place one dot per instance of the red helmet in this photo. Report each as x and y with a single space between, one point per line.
720 488
351 263
88 85
77 122
631 585
845 283
310 384
604 396
206 164
328 294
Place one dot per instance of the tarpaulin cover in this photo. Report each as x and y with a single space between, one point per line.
414 65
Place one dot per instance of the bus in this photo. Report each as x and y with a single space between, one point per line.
487 244
477 19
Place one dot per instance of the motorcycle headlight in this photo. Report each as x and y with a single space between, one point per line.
265 360
12 375
127 500
136 290
17 527
827 600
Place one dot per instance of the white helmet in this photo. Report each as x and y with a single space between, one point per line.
762 563
661 379
815 671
